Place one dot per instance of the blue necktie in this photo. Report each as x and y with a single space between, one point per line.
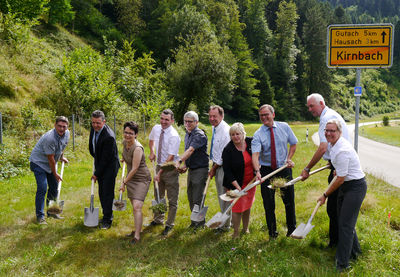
212 142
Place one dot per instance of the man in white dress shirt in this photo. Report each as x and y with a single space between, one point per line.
166 141
220 138
316 105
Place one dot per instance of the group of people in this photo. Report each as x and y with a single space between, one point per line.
237 160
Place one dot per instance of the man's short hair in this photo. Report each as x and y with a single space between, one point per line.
318 97
132 125
191 114
98 114
269 107
168 112
219 108
62 119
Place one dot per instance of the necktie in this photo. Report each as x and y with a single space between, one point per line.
212 142
273 150
160 141
95 137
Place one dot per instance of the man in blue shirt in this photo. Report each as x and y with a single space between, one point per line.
44 157
270 152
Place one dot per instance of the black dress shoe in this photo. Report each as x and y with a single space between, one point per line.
153 223
273 236
105 225
131 234
289 232
166 230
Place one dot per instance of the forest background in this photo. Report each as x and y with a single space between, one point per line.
133 58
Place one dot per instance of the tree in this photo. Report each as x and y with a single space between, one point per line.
202 70
128 12
24 9
60 11
285 55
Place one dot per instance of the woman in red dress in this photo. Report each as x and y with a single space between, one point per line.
238 172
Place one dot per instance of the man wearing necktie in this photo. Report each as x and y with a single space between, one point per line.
103 148
220 138
166 139
270 152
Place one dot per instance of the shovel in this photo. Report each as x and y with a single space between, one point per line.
226 197
91 214
120 205
199 212
157 204
303 229
56 206
219 219
294 181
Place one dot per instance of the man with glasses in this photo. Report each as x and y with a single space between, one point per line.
43 159
270 151
316 106
103 148
195 158
165 140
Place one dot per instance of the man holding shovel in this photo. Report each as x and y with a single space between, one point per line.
316 105
103 148
44 157
269 146
195 159
220 138
166 141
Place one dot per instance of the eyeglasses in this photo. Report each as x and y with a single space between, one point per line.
129 133
62 126
330 131
264 114
189 121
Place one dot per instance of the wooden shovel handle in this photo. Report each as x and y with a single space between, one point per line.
294 181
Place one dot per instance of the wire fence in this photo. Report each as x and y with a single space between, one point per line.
78 126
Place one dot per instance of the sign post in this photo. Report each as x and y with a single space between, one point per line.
359 46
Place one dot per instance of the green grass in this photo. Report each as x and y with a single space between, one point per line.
68 248
386 134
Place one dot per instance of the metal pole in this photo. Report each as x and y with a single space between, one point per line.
1 129
358 84
307 135
73 132
115 129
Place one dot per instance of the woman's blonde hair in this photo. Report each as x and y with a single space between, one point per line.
237 128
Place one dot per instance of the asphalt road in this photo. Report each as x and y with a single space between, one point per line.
379 159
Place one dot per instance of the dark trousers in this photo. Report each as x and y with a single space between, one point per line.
287 195
196 181
332 210
350 197
106 194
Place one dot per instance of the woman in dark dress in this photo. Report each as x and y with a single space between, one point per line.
238 172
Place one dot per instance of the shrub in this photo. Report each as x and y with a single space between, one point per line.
385 120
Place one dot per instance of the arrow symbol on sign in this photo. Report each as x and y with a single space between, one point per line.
383 36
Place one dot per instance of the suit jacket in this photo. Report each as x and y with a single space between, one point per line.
233 163
106 155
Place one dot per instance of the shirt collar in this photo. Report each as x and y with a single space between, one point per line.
324 111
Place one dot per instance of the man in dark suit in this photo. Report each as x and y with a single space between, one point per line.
103 148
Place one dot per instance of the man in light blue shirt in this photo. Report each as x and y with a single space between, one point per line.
44 157
270 151
316 106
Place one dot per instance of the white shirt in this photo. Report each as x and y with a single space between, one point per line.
170 144
221 139
345 160
326 115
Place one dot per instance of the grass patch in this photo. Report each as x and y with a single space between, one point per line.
385 134
68 248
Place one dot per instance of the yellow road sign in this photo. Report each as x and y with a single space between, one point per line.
359 46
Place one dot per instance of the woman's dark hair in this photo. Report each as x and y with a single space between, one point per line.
132 125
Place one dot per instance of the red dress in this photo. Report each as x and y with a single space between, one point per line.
245 202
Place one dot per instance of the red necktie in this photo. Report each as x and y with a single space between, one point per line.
273 150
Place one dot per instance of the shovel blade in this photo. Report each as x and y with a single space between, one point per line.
301 231
198 216
215 221
226 197
119 205
91 218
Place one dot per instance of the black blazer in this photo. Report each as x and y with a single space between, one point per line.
106 157
233 163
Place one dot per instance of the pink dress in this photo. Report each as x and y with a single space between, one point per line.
245 202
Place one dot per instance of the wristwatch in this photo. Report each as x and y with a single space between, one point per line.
307 169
